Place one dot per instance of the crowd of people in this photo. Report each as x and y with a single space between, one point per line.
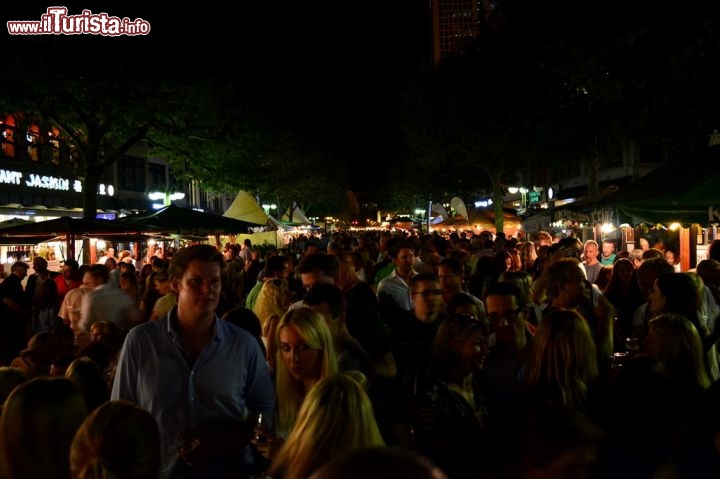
363 355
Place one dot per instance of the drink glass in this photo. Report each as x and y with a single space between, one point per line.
618 360
632 346
258 421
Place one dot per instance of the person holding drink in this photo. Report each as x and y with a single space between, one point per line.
197 375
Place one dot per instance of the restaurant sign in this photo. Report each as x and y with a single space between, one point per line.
48 182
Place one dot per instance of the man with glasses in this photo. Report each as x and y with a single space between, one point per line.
512 341
450 272
413 334
500 379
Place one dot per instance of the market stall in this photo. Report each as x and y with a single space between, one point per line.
61 238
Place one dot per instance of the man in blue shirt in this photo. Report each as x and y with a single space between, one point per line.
200 377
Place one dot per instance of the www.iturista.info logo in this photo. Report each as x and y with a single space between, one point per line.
56 21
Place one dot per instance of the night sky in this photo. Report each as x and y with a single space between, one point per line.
330 71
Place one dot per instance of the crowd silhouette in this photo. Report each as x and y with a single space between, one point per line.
365 355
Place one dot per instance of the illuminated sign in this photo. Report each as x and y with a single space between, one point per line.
46 182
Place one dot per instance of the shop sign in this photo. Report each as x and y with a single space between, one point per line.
10 177
713 214
34 180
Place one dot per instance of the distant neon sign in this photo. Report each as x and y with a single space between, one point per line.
47 182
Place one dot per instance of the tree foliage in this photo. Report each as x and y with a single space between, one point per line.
100 110
562 82
211 127
218 136
471 124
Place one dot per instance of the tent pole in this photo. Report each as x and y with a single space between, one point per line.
70 245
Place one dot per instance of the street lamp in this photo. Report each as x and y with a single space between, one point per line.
523 191
165 193
268 207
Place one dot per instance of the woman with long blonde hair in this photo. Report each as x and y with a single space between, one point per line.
304 354
335 418
562 366
676 343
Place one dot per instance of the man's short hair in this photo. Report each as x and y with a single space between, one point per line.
311 244
100 272
453 263
503 288
395 244
19 265
128 267
659 265
202 252
420 277
234 248
652 253
72 263
325 263
561 272
327 293
40 260
274 265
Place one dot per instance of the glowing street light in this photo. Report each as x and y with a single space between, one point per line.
523 191
164 193
268 207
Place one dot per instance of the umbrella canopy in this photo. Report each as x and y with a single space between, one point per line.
174 219
33 232
14 222
65 225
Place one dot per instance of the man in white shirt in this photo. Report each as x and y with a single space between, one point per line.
109 253
246 251
395 288
71 313
106 302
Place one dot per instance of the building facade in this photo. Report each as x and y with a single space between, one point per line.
40 178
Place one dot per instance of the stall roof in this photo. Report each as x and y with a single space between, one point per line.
246 208
683 192
37 232
174 219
